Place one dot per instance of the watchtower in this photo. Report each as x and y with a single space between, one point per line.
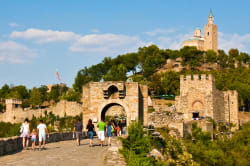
12 104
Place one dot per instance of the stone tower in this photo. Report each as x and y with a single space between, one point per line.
210 34
200 99
13 104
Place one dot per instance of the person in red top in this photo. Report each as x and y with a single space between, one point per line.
118 130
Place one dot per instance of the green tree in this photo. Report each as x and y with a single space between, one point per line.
151 63
130 60
243 58
18 92
233 52
116 73
71 95
173 54
155 85
191 56
44 91
56 91
36 97
4 91
210 56
81 79
171 83
144 52
222 59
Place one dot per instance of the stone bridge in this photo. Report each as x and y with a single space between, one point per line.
67 153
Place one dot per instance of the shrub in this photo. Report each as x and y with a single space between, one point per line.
169 104
9 129
136 147
150 110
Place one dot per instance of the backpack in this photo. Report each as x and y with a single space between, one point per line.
21 128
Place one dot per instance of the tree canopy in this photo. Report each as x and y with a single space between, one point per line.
142 66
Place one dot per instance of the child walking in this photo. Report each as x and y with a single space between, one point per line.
33 138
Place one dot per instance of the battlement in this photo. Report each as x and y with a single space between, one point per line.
196 77
13 101
231 92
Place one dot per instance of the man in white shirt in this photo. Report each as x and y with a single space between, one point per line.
41 128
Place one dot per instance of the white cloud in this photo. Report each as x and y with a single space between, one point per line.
13 52
160 31
95 30
106 43
45 36
173 41
13 24
228 41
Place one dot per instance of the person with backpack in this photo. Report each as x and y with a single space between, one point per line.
25 133
91 128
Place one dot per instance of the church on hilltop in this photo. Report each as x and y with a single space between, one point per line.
210 39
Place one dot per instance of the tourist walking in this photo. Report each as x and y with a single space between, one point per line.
118 129
101 125
121 128
78 131
33 138
91 128
109 132
41 129
25 130
114 128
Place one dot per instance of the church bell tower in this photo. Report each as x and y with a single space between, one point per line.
211 34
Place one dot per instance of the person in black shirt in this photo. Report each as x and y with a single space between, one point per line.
78 131
91 128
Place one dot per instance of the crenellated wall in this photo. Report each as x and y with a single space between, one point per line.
198 94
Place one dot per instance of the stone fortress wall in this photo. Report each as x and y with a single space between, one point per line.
198 95
200 98
15 114
199 101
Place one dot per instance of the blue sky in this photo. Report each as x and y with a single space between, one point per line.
38 37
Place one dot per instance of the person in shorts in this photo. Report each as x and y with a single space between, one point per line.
109 132
90 127
101 136
78 131
33 138
41 129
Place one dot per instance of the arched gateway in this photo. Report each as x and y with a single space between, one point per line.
99 98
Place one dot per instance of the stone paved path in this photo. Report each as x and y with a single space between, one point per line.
64 153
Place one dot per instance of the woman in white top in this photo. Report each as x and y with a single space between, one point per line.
25 133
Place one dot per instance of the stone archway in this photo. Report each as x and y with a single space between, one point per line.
97 97
112 109
197 109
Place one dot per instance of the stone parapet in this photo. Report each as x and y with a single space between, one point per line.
14 144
